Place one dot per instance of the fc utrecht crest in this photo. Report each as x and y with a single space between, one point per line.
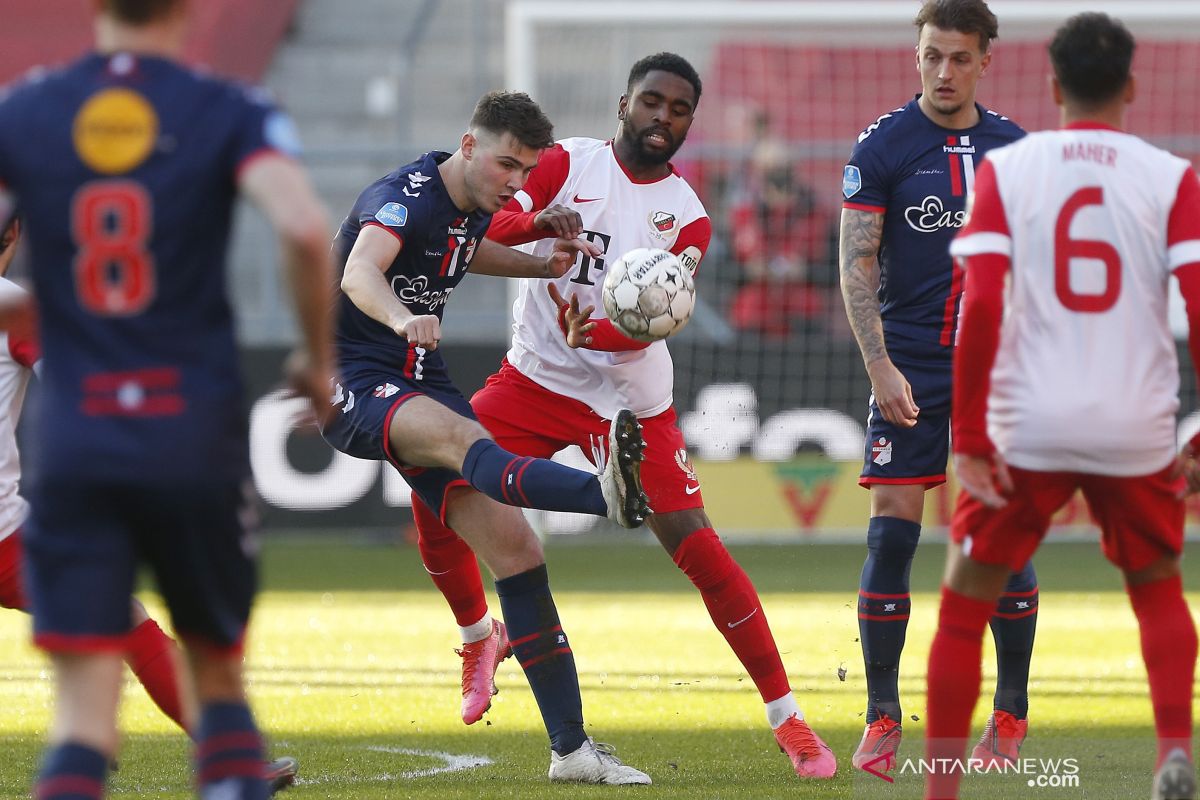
663 225
685 464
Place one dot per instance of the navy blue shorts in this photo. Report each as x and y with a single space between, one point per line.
85 540
368 398
915 455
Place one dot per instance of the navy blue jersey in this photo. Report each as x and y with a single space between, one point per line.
918 175
124 171
437 243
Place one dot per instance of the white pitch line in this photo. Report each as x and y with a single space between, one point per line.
451 763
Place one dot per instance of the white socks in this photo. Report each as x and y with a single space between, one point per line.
781 710
479 630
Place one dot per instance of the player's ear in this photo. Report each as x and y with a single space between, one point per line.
1130 89
467 145
1056 90
984 63
623 106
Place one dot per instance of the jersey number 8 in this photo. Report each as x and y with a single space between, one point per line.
111 223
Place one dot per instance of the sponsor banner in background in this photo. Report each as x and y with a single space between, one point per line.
811 496
783 474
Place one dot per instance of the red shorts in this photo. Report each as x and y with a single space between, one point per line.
12 595
531 420
1140 517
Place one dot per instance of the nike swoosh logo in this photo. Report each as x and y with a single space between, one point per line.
691 489
579 199
743 619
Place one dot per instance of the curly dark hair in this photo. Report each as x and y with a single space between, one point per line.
665 62
1092 54
964 16
502 112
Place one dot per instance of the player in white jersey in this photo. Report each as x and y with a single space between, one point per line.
1066 378
151 654
566 373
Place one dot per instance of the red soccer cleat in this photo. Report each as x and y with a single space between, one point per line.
810 757
480 661
1002 739
878 746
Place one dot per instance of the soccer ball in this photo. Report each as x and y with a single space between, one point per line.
648 294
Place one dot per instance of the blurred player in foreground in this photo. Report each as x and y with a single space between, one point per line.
567 374
409 240
152 655
1066 378
905 190
125 166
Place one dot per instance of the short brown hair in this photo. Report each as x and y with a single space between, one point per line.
964 16
502 112
138 12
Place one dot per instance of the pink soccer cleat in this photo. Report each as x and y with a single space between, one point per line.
811 757
480 661
1002 739
878 746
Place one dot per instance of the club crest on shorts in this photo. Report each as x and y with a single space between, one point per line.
881 450
685 464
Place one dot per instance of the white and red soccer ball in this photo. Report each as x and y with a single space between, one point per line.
648 294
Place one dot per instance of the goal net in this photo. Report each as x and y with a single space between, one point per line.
770 387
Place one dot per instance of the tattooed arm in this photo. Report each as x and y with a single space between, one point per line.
861 233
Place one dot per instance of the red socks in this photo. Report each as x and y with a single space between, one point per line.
953 686
1169 650
150 657
735 609
451 564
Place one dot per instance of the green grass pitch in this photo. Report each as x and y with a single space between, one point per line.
352 670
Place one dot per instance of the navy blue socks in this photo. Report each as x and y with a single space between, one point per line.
542 649
1013 628
883 608
531 482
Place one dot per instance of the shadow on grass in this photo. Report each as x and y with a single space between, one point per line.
725 764
626 564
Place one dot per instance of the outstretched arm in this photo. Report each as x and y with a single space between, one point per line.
861 234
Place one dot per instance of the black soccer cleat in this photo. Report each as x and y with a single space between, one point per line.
621 479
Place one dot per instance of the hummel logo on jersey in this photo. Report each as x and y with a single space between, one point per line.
882 449
459 228
1022 604
386 390
578 199
889 606
931 216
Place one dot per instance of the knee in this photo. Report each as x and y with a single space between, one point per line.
892 539
1023 581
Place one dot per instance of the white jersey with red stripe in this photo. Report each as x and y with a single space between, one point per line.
1094 221
18 354
619 214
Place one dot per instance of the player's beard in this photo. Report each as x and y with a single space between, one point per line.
645 154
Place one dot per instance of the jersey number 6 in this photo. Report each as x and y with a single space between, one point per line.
1066 248
111 223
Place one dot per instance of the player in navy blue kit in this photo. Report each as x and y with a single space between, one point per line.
410 239
125 167
905 190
